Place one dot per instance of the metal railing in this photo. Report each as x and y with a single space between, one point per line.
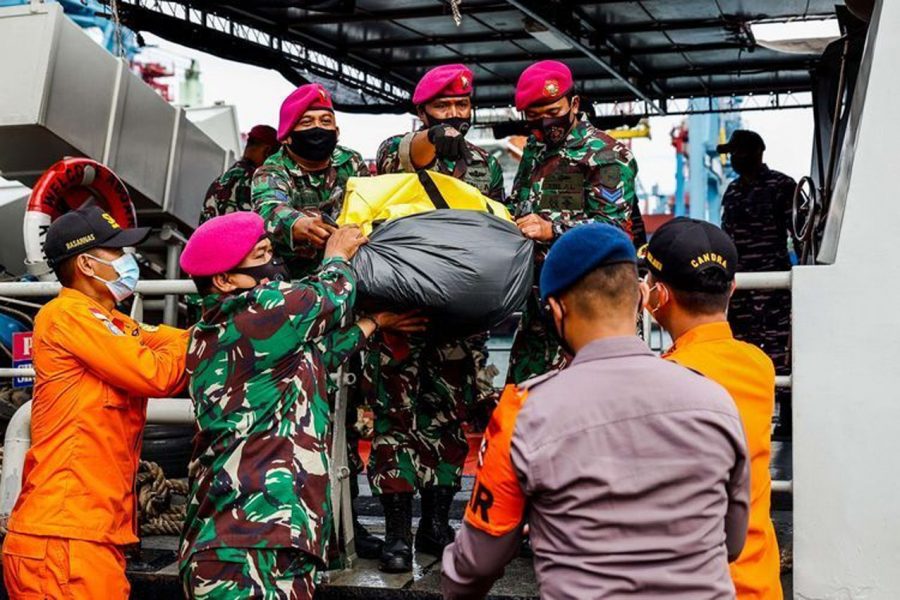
13 461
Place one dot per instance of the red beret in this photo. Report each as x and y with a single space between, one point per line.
304 98
263 134
542 83
443 81
222 243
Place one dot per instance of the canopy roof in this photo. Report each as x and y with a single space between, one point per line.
370 53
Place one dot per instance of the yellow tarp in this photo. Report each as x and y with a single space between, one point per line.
386 197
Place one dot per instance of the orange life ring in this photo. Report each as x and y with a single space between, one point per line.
66 186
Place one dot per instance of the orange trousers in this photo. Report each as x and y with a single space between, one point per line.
59 568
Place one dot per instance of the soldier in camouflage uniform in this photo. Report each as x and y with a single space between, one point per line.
259 513
570 173
303 181
757 214
231 192
421 387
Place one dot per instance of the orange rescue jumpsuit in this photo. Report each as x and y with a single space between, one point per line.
95 370
749 376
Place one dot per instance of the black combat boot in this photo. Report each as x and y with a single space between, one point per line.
396 557
367 545
434 532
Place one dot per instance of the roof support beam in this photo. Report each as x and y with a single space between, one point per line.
486 58
440 40
684 24
303 18
531 9
557 54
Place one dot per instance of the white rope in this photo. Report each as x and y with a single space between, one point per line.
457 15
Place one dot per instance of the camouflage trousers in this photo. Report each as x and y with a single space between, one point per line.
242 573
419 391
535 348
763 318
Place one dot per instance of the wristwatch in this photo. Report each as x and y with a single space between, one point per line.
558 229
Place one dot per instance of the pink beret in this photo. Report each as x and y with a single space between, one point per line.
222 243
304 98
443 81
543 82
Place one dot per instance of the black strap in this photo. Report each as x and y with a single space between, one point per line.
434 194
489 208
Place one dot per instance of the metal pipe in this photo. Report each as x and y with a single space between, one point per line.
147 287
15 446
783 487
21 372
173 270
162 411
769 280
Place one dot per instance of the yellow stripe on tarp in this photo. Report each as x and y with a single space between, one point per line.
387 197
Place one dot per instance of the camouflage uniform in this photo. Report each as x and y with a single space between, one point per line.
230 192
420 391
421 388
757 215
283 192
479 169
232 573
258 362
590 177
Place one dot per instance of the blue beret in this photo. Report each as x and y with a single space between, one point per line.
581 250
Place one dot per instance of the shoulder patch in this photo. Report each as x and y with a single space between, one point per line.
497 505
149 328
110 325
534 381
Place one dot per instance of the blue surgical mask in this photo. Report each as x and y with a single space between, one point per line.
129 272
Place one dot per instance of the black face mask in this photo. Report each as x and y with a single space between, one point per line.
458 123
274 270
558 333
315 144
553 130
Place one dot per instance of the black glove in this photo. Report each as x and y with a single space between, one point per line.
448 142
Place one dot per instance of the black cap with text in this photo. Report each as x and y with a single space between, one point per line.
88 227
683 248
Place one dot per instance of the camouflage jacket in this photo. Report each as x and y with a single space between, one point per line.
230 192
480 169
590 177
258 363
283 192
757 215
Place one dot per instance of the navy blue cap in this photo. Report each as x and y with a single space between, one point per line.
581 250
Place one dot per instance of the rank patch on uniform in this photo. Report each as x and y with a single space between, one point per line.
611 195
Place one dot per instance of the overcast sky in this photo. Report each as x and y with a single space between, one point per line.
257 94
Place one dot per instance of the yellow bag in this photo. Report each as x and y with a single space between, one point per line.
386 197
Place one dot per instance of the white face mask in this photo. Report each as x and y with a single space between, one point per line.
129 272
